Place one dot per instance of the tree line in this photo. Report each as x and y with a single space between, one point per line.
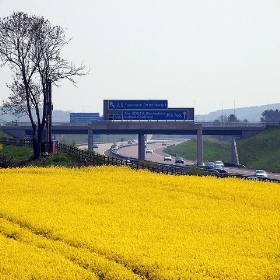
267 116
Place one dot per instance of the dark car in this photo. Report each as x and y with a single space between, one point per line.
114 147
179 160
209 165
222 171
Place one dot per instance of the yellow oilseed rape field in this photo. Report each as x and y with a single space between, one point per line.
117 223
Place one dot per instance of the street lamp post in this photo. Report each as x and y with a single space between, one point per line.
222 112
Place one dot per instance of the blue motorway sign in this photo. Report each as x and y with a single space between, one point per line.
168 114
137 104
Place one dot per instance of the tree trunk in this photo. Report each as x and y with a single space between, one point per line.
37 141
36 148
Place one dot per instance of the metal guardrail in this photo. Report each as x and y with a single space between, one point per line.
16 142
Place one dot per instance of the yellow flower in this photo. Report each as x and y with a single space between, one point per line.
116 223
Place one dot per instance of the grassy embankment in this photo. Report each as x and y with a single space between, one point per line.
254 152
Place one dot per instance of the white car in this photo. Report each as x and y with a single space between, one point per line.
219 162
167 158
260 173
149 151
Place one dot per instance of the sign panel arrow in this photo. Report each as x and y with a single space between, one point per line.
168 114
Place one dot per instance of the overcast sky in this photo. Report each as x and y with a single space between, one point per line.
206 54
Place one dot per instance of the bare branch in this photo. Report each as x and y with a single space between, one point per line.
32 47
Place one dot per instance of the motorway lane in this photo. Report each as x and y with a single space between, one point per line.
102 148
250 172
157 156
131 150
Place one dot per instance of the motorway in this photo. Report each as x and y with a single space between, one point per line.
157 155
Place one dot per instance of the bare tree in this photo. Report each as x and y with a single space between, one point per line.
31 47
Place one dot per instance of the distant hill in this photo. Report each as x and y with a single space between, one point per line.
252 114
57 116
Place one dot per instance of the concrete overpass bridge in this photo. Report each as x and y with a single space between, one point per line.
141 128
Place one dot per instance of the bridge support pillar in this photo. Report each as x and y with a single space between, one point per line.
199 147
234 153
90 139
141 147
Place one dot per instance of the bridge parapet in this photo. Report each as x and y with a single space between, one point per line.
232 124
146 126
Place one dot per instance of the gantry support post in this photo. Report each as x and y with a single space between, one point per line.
141 146
199 147
90 138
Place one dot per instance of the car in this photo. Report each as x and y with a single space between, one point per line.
212 171
179 160
128 161
260 173
222 171
167 157
129 142
114 147
164 144
218 166
149 151
219 162
95 146
210 165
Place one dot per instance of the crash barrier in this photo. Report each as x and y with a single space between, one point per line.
16 142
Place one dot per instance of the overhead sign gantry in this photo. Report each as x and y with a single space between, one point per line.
144 110
143 116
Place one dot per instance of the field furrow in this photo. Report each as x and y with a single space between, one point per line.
117 223
100 266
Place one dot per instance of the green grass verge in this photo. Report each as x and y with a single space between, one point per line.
261 151
258 152
213 149
13 156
